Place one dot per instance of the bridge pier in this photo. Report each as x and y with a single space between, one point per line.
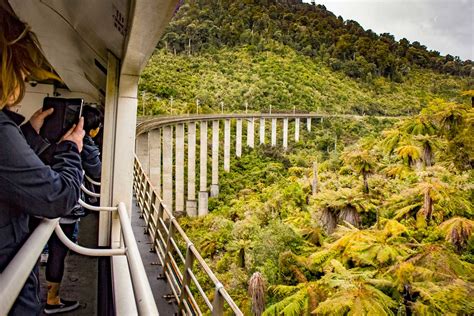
227 145
297 129
154 146
143 152
191 203
179 170
285 133
203 194
238 138
262 131
274 134
215 159
250 132
168 167
166 172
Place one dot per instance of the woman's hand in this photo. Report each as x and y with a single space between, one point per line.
76 134
37 119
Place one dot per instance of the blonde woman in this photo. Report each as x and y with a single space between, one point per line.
27 186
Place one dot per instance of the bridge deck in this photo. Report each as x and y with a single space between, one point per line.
159 287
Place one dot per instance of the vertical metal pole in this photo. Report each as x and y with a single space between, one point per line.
108 149
285 133
218 303
308 124
188 266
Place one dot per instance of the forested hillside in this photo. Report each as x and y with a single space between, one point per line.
361 217
286 54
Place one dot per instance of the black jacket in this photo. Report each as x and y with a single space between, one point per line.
90 156
29 187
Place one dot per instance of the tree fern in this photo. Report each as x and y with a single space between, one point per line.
457 231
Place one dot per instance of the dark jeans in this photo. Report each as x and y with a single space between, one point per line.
28 301
57 253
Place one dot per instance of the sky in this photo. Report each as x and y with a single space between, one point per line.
443 25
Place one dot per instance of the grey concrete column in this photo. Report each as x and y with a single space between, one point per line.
215 159
238 138
168 167
203 194
191 203
179 170
297 129
227 145
262 131
250 132
154 145
308 124
274 132
285 133
141 149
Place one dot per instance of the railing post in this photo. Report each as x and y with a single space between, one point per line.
158 217
188 266
168 245
262 131
218 303
308 124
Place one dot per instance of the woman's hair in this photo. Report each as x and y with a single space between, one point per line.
92 118
20 55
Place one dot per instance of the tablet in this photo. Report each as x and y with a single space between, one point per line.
66 113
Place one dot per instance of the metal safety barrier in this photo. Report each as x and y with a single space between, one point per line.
16 273
168 241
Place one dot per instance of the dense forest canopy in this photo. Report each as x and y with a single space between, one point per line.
372 216
312 30
253 55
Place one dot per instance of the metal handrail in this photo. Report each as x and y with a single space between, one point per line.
86 251
163 227
91 180
88 192
97 208
16 273
14 276
143 294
